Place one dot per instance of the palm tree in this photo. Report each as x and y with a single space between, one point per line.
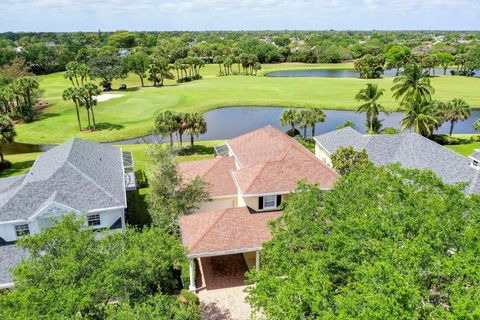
7 132
290 117
166 124
305 117
88 93
422 115
456 110
412 84
318 116
476 125
196 126
71 93
370 96
182 125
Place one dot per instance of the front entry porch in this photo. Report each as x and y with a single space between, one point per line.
221 271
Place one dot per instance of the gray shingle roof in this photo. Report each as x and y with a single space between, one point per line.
475 155
410 150
81 174
10 257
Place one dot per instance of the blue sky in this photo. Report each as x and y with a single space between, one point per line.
91 15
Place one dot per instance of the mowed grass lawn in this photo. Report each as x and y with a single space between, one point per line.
133 114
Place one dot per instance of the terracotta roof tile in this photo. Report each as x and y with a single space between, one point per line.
265 144
225 230
283 176
274 162
215 172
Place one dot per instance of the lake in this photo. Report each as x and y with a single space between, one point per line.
338 73
227 123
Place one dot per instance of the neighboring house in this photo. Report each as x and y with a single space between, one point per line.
247 181
82 177
411 150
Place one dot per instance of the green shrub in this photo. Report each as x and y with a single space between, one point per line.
390 130
444 139
185 273
475 138
25 112
5 164
190 297
141 179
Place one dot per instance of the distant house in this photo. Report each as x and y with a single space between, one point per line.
79 177
411 150
247 180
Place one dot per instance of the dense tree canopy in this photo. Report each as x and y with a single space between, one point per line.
384 243
170 195
72 273
49 52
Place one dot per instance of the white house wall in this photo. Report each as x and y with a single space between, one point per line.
322 154
107 219
217 204
7 232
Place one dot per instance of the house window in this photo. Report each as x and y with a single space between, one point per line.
93 220
269 202
22 230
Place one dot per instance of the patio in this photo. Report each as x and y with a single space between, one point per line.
221 272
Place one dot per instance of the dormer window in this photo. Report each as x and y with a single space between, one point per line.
22 230
269 202
475 159
93 220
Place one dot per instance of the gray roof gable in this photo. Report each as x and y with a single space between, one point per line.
81 174
410 150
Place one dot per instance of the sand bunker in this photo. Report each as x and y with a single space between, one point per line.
107 96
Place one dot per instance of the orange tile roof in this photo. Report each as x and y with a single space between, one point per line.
224 231
265 144
215 172
282 176
271 161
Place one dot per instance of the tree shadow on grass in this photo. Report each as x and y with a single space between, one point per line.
45 115
17 168
108 126
137 209
186 150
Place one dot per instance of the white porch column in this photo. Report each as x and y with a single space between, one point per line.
257 260
192 286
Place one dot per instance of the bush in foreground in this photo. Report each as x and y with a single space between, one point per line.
384 243
72 273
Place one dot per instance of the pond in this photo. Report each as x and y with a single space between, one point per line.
227 123
341 73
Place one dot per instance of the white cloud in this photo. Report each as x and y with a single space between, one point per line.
243 14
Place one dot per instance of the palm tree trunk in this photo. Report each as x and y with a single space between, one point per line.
191 142
78 117
141 81
313 131
88 115
1 157
93 118
171 140
452 124
305 133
